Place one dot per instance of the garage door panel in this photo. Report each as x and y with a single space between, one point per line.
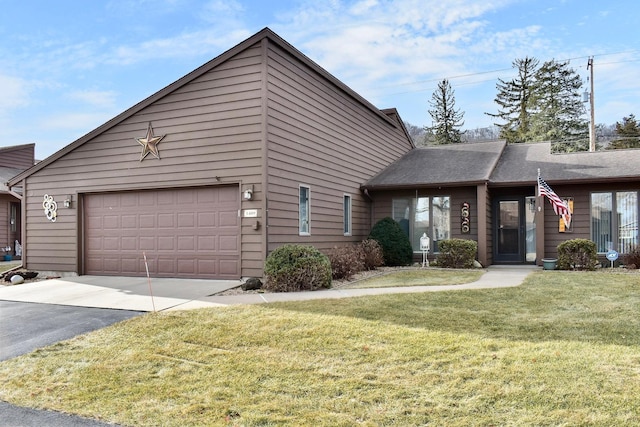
186 219
128 243
227 266
184 233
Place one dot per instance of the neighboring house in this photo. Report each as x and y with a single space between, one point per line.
487 192
257 148
13 160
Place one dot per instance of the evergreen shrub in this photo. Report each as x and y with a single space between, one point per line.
577 254
457 253
292 268
395 244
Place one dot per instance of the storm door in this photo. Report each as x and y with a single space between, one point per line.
514 229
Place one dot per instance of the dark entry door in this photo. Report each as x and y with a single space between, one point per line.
509 230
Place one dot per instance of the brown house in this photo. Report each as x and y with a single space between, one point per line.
13 160
257 148
262 147
488 192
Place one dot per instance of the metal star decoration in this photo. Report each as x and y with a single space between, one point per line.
150 144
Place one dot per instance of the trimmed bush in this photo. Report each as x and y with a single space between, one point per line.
345 261
292 268
372 256
577 254
457 253
395 244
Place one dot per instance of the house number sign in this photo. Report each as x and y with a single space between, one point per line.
50 208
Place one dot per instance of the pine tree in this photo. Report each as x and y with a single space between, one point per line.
447 121
557 110
514 101
629 133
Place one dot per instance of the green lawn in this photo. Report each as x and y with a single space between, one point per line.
562 349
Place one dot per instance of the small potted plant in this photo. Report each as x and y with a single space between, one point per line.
7 253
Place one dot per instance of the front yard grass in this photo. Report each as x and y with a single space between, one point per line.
9 266
562 349
419 277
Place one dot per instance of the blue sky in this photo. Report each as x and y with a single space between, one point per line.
67 66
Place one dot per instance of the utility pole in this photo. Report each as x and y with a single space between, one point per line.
592 125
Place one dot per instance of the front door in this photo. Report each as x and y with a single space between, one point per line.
514 230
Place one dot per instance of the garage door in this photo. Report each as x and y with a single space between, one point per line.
189 233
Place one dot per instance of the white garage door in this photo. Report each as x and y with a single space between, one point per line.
188 233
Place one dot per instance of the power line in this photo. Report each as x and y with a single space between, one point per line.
500 70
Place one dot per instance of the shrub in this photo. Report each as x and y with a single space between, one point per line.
457 253
396 247
577 254
296 268
371 253
349 260
345 261
632 258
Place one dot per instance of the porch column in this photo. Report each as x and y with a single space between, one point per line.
539 219
483 233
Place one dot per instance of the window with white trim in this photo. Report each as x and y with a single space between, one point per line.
304 225
346 209
614 220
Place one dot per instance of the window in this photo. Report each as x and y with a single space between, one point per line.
303 213
13 217
346 208
614 220
431 215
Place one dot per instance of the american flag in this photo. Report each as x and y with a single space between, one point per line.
559 206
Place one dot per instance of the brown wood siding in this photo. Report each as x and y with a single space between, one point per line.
321 137
18 157
581 219
213 137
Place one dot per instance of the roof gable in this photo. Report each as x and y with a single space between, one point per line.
266 33
17 156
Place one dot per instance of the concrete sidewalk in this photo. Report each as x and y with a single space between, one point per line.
134 293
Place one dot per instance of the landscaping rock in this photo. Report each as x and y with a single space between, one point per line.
251 284
17 279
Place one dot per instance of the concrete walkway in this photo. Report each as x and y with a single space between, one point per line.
127 293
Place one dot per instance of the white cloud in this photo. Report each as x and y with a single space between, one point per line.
80 122
15 92
184 45
94 98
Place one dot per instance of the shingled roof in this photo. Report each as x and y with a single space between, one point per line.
499 164
519 164
441 165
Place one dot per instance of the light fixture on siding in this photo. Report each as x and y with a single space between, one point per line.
247 194
67 201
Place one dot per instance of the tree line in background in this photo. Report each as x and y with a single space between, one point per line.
542 103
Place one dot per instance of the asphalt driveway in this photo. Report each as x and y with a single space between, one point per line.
25 327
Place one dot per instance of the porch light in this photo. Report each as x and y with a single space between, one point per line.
67 202
247 194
